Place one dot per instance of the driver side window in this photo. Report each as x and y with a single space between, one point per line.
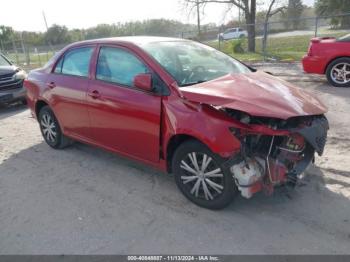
118 66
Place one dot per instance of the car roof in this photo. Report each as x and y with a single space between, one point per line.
136 40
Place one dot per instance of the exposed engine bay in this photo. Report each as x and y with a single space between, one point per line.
269 160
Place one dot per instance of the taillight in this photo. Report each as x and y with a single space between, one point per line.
309 51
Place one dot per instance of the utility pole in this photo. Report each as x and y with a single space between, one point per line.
239 13
47 29
198 19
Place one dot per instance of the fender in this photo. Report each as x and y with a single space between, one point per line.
199 121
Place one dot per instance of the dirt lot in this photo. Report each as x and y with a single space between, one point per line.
83 200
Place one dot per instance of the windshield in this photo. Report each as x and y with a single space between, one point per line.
191 63
344 38
4 62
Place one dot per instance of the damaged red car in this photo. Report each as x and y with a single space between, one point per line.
218 125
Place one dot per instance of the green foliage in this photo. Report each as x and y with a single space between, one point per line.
57 34
290 48
154 27
6 33
237 46
31 38
334 7
294 11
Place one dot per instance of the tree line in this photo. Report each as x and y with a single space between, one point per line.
59 34
286 9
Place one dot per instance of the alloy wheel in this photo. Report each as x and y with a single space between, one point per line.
340 73
202 177
48 127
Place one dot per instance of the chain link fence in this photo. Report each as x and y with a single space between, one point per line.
285 40
26 55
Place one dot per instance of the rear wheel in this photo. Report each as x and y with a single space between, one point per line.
338 72
51 130
200 176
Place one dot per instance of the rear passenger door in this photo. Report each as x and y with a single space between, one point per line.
69 83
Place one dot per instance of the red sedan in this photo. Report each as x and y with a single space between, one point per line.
219 126
330 56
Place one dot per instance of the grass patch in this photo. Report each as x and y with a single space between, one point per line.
35 59
291 48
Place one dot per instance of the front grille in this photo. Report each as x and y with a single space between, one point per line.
11 85
6 77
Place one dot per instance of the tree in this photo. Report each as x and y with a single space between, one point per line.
294 11
334 7
99 31
249 9
6 33
57 34
268 14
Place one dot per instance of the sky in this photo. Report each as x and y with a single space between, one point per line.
27 15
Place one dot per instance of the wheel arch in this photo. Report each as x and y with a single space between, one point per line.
38 106
174 142
332 60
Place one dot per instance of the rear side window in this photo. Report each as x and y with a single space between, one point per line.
75 62
119 66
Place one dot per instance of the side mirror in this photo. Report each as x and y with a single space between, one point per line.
143 81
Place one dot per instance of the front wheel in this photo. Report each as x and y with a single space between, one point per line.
51 130
200 176
338 72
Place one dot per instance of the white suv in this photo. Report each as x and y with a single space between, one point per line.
232 33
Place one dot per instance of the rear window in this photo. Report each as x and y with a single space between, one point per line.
75 62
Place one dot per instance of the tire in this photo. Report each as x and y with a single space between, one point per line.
24 102
53 135
337 67
222 180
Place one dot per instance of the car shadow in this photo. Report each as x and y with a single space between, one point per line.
81 157
11 109
51 186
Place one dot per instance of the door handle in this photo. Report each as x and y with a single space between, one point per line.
51 85
94 94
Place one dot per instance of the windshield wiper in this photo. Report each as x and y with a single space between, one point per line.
194 82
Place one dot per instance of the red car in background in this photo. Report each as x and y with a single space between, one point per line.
329 56
218 125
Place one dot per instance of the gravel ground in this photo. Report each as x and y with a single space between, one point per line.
83 200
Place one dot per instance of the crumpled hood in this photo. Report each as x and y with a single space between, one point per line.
256 93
